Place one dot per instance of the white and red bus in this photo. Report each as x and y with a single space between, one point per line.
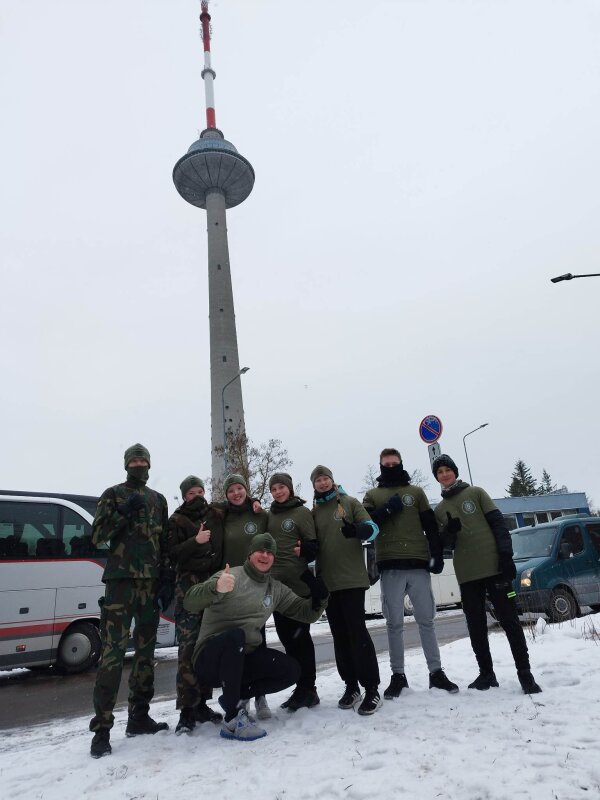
51 581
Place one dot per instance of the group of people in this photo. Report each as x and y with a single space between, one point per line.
231 565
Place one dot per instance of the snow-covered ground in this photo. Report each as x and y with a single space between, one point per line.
495 745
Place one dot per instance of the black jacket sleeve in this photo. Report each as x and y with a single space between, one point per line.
432 532
501 533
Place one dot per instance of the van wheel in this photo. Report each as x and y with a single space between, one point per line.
562 606
408 606
79 648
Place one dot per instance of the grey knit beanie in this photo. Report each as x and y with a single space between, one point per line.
187 483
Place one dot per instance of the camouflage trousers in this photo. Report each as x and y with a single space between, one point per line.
187 627
126 600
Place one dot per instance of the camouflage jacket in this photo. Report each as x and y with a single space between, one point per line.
137 546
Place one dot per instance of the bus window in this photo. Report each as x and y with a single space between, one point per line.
29 530
77 537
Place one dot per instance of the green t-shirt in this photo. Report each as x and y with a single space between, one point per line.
239 528
401 536
340 561
476 552
287 525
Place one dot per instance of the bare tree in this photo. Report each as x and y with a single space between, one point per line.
418 478
255 463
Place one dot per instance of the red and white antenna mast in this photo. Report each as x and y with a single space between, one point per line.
208 73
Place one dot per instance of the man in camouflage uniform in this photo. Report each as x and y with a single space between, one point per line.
196 550
133 520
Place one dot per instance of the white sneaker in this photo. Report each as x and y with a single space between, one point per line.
242 728
262 707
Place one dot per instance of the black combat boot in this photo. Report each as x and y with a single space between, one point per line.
301 697
397 683
204 713
484 681
144 724
101 744
187 721
527 682
439 680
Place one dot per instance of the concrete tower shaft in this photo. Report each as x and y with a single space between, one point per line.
214 176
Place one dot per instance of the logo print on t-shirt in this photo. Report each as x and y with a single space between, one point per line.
288 525
469 507
250 528
408 500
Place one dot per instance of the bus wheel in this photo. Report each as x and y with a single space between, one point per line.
79 648
562 606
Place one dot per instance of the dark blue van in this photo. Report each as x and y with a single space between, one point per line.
558 566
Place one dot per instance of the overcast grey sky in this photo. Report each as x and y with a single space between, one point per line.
423 167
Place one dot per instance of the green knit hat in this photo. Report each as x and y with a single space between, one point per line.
187 483
136 451
282 477
263 541
320 470
231 479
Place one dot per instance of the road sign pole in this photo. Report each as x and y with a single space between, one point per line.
434 451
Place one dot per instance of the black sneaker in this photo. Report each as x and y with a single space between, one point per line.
145 724
397 683
371 702
187 721
101 744
527 682
301 697
484 681
203 713
439 680
350 697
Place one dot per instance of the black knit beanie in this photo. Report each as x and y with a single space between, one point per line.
443 461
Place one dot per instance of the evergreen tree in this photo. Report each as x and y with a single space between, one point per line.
523 484
546 486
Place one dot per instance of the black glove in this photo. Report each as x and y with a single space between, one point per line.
357 530
316 586
436 565
166 589
131 506
309 549
394 504
507 567
449 531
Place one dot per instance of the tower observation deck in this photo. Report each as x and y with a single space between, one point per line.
214 176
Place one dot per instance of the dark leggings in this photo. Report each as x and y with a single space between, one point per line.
222 662
473 596
355 655
295 637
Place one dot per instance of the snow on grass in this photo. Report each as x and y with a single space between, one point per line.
495 745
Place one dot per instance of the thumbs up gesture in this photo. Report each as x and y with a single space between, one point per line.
203 535
226 581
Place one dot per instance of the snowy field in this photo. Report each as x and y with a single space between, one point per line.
495 745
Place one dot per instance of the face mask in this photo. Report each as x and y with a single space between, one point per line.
139 474
196 504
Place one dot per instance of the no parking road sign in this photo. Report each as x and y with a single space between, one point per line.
430 429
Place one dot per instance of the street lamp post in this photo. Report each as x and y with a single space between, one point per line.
235 377
465 446
568 277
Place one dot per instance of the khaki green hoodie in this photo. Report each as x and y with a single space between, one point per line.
254 598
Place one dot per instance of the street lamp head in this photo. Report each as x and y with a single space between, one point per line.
484 425
244 370
566 277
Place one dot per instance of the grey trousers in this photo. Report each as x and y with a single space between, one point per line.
395 584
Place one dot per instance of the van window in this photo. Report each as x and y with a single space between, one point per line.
574 538
29 530
594 531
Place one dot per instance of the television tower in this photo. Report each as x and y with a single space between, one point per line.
213 175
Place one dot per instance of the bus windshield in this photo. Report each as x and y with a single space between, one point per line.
532 543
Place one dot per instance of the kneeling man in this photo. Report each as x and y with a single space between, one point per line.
229 652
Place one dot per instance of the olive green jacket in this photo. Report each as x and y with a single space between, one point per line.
254 598
401 536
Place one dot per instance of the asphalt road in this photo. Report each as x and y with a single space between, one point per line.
34 697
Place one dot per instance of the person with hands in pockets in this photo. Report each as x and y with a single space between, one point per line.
474 528
407 550
292 526
342 524
237 602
